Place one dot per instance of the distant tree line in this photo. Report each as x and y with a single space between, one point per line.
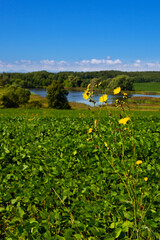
16 94
75 79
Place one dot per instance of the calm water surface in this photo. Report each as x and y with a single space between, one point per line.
76 96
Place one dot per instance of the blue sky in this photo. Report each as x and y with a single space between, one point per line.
60 35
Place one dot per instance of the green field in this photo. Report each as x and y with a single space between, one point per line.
66 176
147 86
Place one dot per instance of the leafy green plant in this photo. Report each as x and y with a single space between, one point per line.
34 104
48 155
123 161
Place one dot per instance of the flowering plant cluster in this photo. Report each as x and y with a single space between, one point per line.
122 162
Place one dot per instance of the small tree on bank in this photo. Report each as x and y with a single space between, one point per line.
57 96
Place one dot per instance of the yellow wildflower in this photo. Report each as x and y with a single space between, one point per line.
90 130
139 162
99 84
103 98
106 145
125 94
124 120
95 123
117 90
145 179
86 94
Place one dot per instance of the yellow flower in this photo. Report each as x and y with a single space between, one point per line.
95 123
103 98
90 130
86 94
99 84
125 94
106 145
124 120
146 179
139 162
117 90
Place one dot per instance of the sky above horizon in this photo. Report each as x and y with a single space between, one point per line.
90 35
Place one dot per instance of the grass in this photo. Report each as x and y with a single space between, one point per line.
148 86
74 113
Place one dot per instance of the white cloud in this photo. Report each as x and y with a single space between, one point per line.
47 62
117 61
94 61
25 61
83 65
83 62
136 65
63 62
151 64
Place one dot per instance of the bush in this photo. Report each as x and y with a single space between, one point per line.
6 102
14 96
57 96
34 104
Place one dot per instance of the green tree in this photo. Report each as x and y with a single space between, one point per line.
14 96
57 96
4 79
123 81
94 82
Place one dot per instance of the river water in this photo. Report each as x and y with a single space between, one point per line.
76 96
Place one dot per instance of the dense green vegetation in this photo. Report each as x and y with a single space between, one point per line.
14 96
147 86
57 96
56 181
72 79
123 81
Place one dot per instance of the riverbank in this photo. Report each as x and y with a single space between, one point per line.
140 103
135 103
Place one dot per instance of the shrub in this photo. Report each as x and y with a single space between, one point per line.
57 96
34 104
14 96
